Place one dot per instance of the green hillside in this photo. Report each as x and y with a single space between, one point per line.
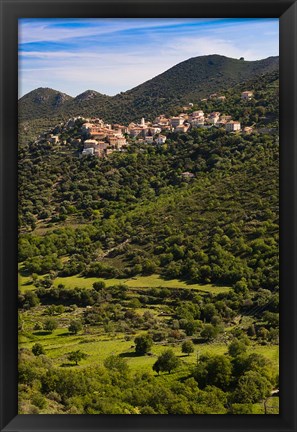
188 81
143 290
45 103
41 102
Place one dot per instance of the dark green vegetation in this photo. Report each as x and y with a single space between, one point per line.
190 80
111 347
46 102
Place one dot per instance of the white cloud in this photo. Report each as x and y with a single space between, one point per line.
44 31
98 74
121 66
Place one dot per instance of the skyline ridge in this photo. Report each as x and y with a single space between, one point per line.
71 53
128 90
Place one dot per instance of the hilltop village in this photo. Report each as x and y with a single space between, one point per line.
100 139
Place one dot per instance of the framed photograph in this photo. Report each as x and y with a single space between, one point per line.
148 215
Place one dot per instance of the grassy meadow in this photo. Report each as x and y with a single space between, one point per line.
138 282
148 279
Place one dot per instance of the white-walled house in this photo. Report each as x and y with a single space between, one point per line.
161 139
88 151
198 122
182 128
233 126
154 129
149 139
176 121
213 120
187 175
135 131
247 95
198 113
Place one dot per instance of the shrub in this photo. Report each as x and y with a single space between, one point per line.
188 347
38 349
143 344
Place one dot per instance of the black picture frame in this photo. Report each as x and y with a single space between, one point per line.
286 11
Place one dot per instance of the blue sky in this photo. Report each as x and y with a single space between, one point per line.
111 55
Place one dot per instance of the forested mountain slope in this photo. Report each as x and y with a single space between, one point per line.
192 79
149 278
142 196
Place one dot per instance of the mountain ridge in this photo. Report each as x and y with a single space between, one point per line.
193 78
